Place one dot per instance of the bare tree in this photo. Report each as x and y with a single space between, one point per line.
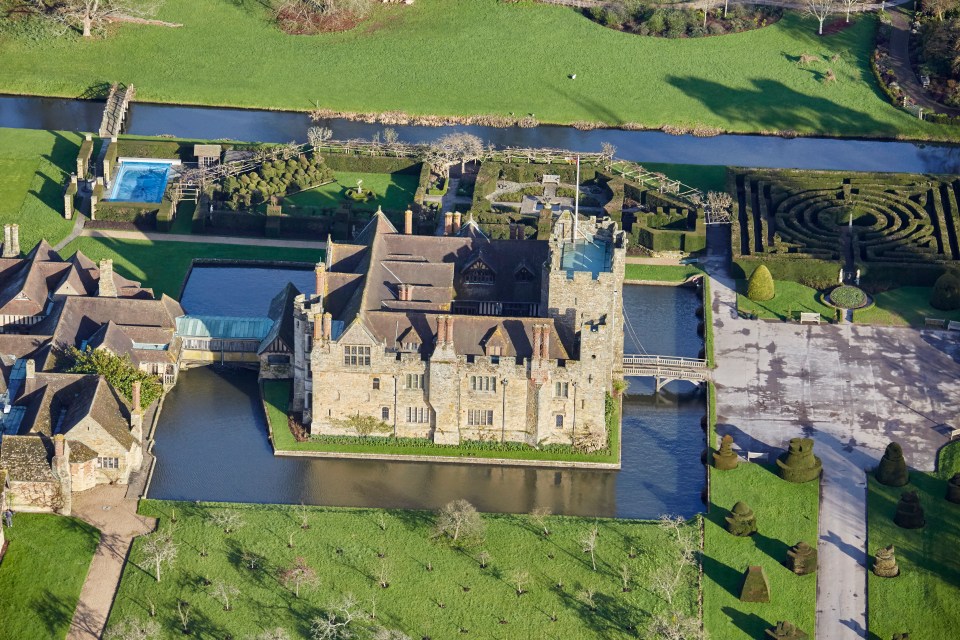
589 545
304 514
453 147
383 575
318 135
484 558
669 626
228 520
224 592
131 629
88 15
540 515
520 579
821 10
273 634
251 560
299 574
183 612
626 576
389 634
851 5
675 623
607 152
159 549
586 597
338 622
459 521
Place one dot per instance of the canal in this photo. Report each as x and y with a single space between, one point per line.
211 441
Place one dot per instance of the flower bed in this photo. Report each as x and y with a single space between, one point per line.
847 297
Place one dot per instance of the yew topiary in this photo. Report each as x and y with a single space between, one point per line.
885 563
741 521
909 511
802 559
953 489
799 464
760 287
946 293
892 470
755 588
725 459
786 631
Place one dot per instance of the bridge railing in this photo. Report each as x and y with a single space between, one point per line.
663 362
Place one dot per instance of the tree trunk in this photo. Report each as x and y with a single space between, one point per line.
158 571
87 26
848 13
821 24
725 4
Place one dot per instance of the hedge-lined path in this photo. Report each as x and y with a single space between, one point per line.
900 59
852 389
107 508
201 239
75 232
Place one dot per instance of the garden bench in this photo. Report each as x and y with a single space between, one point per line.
953 325
809 317
955 434
756 456
934 322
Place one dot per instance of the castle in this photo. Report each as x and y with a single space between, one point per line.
463 338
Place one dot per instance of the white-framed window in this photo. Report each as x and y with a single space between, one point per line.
356 355
561 390
413 381
108 463
483 384
480 417
418 415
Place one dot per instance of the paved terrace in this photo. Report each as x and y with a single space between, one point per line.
852 389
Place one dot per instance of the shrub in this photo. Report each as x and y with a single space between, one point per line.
909 511
802 559
946 293
761 287
799 464
892 470
847 297
118 371
741 521
755 588
725 459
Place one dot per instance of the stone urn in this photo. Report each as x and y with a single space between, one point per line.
741 521
725 459
953 489
909 511
799 464
885 563
802 559
786 631
892 470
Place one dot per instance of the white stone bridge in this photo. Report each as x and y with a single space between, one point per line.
665 368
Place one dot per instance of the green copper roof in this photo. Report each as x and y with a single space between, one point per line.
223 327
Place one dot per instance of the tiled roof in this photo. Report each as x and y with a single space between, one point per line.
281 314
80 452
26 458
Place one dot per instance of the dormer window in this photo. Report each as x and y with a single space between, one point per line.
479 273
523 275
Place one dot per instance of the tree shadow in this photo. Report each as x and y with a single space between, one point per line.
54 611
752 625
775 549
724 575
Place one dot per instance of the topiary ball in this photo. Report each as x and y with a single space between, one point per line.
946 293
760 286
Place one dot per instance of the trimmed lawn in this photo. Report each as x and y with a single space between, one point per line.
42 573
662 272
434 590
786 513
905 306
703 177
164 265
792 298
393 191
397 60
276 394
922 599
33 170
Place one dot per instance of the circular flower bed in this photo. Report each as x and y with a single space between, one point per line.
847 297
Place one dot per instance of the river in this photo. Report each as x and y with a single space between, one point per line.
211 441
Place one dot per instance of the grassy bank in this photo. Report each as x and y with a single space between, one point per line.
164 265
662 272
42 573
434 590
276 394
791 300
753 81
786 513
906 306
922 599
393 191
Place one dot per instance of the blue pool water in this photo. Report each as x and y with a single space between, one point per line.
140 181
593 256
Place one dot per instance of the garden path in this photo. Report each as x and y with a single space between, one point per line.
178 237
900 59
851 388
107 508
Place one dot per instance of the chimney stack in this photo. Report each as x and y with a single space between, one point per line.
15 240
31 369
58 445
7 245
537 341
136 396
317 328
441 329
449 326
320 273
327 326
108 288
408 222
457 218
545 342
448 223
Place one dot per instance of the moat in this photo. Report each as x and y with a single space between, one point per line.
211 442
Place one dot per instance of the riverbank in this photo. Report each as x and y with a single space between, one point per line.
537 86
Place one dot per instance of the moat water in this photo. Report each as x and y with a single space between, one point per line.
30 112
211 442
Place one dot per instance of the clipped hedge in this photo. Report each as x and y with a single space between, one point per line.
817 274
83 158
165 215
371 164
877 278
127 148
138 213
760 287
486 184
423 184
534 172
667 240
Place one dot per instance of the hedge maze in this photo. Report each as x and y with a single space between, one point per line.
896 218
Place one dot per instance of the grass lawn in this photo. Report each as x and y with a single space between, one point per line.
903 306
786 513
662 272
393 191
922 599
33 167
434 590
276 394
164 265
703 177
493 63
42 573
792 298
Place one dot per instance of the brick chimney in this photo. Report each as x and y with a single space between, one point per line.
58 445
409 295
441 329
317 328
448 223
537 341
449 327
108 288
327 329
320 275
31 369
545 342
136 397
457 218
408 222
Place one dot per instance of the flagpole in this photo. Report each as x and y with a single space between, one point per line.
576 204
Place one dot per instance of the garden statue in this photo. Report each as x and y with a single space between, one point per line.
725 459
885 563
909 511
802 559
741 521
953 489
786 631
755 588
893 468
799 464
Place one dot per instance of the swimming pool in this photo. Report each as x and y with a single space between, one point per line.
592 255
141 180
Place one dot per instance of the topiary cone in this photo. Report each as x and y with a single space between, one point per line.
725 459
892 470
885 563
799 464
946 293
741 521
760 287
909 511
756 587
953 489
